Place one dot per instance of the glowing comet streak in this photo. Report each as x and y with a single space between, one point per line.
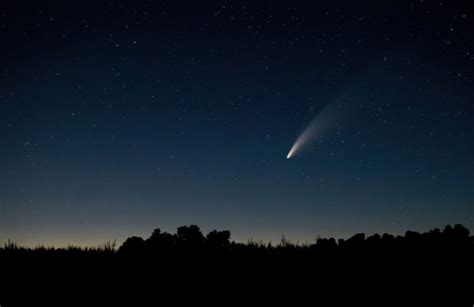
314 129
308 134
298 143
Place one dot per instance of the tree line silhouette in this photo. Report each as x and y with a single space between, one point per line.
189 240
431 265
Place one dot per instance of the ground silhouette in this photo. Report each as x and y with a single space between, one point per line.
434 265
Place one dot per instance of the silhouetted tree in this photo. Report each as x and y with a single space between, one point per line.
161 241
133 245
356 240
190 237
218 239
326 243
461 232
374 240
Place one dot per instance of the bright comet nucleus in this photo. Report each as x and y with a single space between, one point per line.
293 149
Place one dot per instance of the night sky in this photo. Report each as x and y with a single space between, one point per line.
119 117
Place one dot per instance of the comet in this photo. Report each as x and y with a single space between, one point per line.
312 131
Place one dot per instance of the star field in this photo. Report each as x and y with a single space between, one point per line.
119 117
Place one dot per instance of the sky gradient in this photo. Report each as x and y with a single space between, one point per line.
117 118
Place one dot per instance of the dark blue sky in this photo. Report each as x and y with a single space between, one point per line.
120 117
